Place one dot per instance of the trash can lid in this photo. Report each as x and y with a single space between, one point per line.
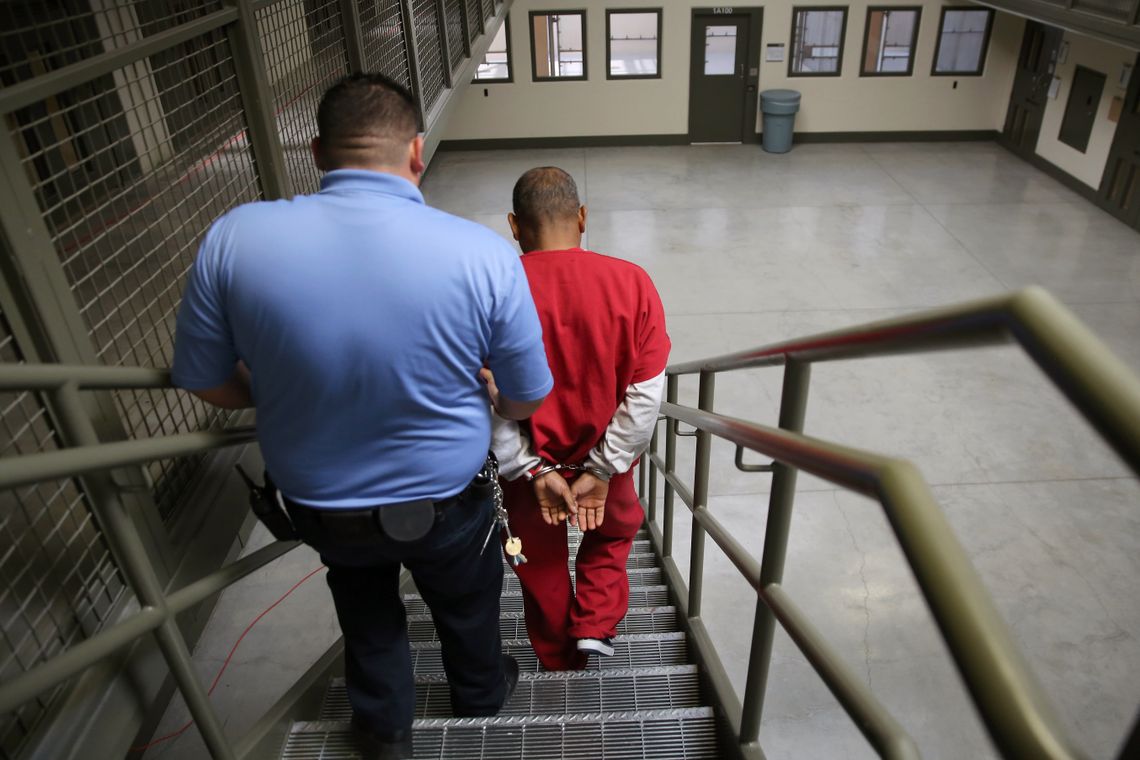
785 97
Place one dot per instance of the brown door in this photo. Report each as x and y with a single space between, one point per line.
718 78
1120 188
1035 67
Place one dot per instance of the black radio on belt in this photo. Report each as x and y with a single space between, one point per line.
264 504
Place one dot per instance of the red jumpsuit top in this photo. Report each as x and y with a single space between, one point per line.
604 329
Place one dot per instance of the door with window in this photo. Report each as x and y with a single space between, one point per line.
1035 68
718 80
1120 187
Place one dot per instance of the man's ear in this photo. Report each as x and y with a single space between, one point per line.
318 156
582 218
416 156
514 222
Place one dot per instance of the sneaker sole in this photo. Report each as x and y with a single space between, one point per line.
597 647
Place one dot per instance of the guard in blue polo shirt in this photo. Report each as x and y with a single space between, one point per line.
362 324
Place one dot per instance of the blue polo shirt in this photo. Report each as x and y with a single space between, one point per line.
364 316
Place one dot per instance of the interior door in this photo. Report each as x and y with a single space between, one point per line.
1120 187
1035 68
718 78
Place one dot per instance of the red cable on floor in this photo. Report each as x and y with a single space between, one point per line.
225 664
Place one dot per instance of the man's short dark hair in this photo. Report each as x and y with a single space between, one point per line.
367 112
545 194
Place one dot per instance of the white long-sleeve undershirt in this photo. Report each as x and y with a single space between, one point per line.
626 437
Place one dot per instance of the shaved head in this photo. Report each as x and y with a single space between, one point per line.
366 118
546 196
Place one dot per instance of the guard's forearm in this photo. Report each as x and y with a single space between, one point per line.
235 393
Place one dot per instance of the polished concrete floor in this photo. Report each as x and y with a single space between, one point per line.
748 248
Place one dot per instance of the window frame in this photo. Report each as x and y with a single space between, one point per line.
585 45
981 69
510 78
609 40
913 40
796 9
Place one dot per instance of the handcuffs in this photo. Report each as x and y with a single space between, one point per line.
544 468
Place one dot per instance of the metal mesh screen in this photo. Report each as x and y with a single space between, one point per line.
129 170
382 28
37 37
305 53
430 51
475 17
453 10
57 581
488 8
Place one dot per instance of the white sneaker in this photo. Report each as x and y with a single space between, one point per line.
604 647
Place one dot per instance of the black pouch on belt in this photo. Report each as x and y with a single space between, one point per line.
483 484
263 503
407 520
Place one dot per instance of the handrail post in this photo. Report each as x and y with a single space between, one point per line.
670 469
444 43
648 473
256 93
411 44
353 37
128 549
700 496
793 406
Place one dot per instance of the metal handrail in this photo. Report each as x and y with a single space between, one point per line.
1101 386
997 677
1012 705
158 609
46 377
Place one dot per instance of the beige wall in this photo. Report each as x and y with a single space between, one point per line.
660 106
1107 59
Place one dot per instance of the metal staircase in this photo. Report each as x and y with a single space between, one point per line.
645 701
666 693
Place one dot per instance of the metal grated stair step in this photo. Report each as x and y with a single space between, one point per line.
663 688
512 625
635 651
636 560
511 602
638 577
641 541
688 733
640 545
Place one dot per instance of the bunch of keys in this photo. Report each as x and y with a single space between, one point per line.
513 545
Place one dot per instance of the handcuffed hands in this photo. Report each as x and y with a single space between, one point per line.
555 499
589 495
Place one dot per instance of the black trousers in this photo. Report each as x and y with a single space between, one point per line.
461 587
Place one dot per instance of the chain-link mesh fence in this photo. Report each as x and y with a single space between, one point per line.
57 581
128 167
305 52
382 30
129 170
430 51
475 18
37 37
453 11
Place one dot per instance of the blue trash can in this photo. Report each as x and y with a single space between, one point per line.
779 108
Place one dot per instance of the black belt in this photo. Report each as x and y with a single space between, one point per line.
401 521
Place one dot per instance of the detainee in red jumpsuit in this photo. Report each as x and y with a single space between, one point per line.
604 330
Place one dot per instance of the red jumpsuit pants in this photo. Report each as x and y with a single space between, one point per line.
556 616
